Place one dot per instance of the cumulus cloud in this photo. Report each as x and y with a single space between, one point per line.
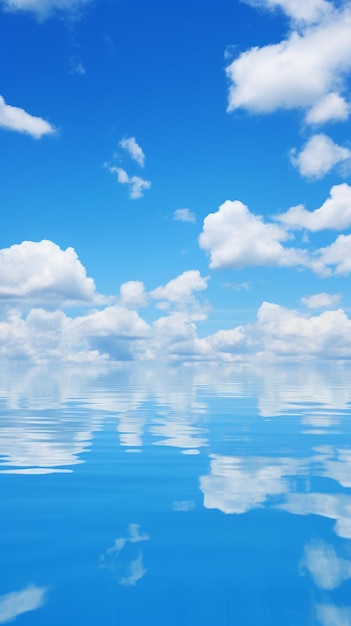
184 215
287 333
330 108
133 294
44 271
132 148
136 185
18 120
321 300
307 70
43 9
235 237
336 257
335 212
181 289
319 156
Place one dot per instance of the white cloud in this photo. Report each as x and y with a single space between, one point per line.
335 507
301 12
287 333
132 570
133 294
326 568
319 156
43 9
307 70
136 185
331 615
321 300
77 67
18 120
337 255
235 237
44 271
132 148
184 215
136 571
330 108
180 290
233 487
18 602
335 212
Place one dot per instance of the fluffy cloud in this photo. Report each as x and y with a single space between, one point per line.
16 119
180 290
43 9
321 300
184 215
235 237
287 333
332 615
307 70
132 148
335 212
42 270
319 156
133 294
301 12
136 185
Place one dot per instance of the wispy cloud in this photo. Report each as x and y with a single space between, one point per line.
184 215
16 119
135 184
18 602
132 148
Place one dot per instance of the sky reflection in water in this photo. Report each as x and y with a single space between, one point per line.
236 509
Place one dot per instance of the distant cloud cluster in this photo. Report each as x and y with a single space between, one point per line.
306 71
39 280
236 238
135 184
184 215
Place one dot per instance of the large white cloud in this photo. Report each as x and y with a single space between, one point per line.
335 212
235 237
18 120
306 70
319 156
44 271
285 332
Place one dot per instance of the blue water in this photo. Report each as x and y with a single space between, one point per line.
166 496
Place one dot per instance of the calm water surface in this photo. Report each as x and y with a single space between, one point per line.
190 496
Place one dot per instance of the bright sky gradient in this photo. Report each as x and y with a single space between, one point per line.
175 180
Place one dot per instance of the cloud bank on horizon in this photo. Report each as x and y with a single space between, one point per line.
43 282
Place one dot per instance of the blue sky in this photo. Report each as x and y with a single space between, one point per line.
175 181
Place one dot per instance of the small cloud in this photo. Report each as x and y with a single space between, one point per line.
76 66
237 286
14 604
18 120
321 300
184 215
43 9
136 185
136 572
183 505
319 156
132 148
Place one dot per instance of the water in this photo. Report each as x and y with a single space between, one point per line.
190 496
